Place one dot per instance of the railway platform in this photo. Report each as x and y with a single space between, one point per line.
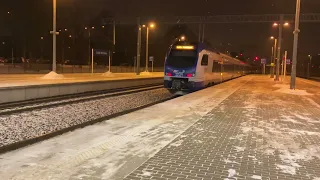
248 128
17 87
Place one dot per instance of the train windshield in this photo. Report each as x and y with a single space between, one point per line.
182 58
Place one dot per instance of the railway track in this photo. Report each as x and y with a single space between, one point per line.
42 114
30 105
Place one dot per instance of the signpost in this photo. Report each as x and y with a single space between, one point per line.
151 58
135 64
285 65
100 52
264 62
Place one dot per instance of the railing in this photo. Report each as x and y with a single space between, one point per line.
45 68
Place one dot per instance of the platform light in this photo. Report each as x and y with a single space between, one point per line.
286 24
275 24
183 38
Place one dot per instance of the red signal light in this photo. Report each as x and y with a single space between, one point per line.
189 75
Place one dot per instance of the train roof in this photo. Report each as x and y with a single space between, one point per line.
202 46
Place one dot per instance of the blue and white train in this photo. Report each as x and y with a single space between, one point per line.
192 66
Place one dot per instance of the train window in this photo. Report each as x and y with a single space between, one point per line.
205 60
216 67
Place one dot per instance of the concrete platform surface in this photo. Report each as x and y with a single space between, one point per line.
247 128
13 80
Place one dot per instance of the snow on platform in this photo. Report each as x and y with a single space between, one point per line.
247 128
12 80
112 149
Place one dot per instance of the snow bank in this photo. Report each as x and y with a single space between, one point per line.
52 75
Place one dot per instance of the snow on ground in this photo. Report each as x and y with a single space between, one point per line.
232 174
256 177
13 80
52 75
284 88
114 148
280 131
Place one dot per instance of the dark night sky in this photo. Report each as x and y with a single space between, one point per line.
253 38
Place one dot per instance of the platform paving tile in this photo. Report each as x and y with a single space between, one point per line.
259 132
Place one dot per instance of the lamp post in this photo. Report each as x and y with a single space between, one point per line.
138 47
280 24
309 63
89 46
295 47
151 25
274 53
54 34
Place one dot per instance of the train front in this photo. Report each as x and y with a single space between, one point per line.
180 68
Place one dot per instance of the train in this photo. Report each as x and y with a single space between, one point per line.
191 67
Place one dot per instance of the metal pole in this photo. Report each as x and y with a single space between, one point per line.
200 32
274 57
114 33
147 50
92 60
309 63
285 65
271 67
54 33
89 48
109 61
203 32
138 47
295 47
12 54
279 47
152 66
62 50
281 63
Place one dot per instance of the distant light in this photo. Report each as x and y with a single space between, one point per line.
8 12
65 29
86 28
70 36
92 27
3 43
69 47
271 37
237 56
144 26
286 24
152 25
41 38
102 26
275 24
183 38
241 54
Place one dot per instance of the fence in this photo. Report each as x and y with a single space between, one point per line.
45 68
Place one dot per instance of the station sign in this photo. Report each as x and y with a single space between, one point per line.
288 61
100 52
264 61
